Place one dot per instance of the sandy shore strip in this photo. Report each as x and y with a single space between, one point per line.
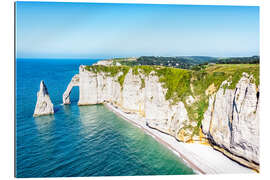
201 158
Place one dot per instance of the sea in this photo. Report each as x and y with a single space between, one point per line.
79 140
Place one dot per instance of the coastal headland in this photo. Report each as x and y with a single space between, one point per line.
189 111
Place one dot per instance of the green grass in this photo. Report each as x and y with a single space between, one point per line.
235 71
216 74
135 70
121 78
143 83
178 82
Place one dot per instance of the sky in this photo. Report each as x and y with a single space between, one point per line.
95 30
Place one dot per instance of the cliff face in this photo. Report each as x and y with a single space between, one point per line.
230 121
146 98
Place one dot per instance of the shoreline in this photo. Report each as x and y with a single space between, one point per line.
201 158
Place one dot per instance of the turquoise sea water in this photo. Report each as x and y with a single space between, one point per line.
79 140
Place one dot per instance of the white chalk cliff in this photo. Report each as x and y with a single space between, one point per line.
44 104
231 122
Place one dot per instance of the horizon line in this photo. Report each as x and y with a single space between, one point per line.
131 57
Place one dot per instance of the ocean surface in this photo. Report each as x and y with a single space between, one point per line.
79 140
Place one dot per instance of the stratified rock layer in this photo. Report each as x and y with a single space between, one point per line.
44 105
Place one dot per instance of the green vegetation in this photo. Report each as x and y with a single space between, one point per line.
239 60
196 113
176 81
216 74
143 83
233 72
124 61
185 62
181 83
135 70
121 78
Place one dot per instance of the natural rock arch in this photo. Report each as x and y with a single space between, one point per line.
75 81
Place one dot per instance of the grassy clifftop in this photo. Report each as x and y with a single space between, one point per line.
182 83
179 81
208 80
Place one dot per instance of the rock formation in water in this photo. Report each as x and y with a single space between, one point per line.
44 105
230 123
74 82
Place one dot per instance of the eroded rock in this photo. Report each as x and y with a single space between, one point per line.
232 121
44 105
74 82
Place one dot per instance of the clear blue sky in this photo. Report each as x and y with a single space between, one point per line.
88 30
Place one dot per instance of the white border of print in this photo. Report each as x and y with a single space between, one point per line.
7 86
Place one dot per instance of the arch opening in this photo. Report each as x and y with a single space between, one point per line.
75 82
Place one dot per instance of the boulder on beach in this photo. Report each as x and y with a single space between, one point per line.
44 105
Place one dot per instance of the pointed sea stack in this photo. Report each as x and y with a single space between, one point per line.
44 105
